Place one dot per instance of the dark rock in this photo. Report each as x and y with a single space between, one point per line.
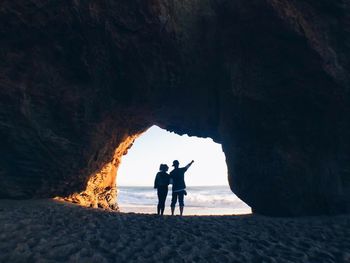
269 80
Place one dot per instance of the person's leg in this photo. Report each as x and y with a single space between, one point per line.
159 194
165 195
181 202
163 198
173 202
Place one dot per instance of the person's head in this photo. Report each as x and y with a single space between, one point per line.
163 168
176 164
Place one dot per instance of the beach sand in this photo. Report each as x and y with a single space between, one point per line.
52 231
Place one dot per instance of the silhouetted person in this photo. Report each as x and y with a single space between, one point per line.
161 184
179 186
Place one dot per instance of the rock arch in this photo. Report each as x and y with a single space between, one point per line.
269 80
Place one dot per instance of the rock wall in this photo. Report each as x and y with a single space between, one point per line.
269 80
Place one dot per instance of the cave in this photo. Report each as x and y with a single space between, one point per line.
267 79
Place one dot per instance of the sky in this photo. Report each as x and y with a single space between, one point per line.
141 164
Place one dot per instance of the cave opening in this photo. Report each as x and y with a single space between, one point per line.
206 180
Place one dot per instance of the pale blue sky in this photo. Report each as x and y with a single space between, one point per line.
156 146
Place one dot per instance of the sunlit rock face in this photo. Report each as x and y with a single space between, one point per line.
269 80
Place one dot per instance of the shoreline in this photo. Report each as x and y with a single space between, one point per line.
55 231
188 210
201 200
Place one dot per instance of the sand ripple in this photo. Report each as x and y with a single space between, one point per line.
50 231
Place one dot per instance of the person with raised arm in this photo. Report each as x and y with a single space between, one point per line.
179 187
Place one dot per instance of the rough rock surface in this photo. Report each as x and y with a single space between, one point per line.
268 79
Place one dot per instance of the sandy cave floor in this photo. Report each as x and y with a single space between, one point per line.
51 231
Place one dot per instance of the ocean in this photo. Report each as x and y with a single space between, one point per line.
200 200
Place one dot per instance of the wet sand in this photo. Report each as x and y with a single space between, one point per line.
189 210
52 231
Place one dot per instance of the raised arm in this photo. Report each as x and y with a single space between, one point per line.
188 165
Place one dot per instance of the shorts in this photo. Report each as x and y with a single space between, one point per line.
176 195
